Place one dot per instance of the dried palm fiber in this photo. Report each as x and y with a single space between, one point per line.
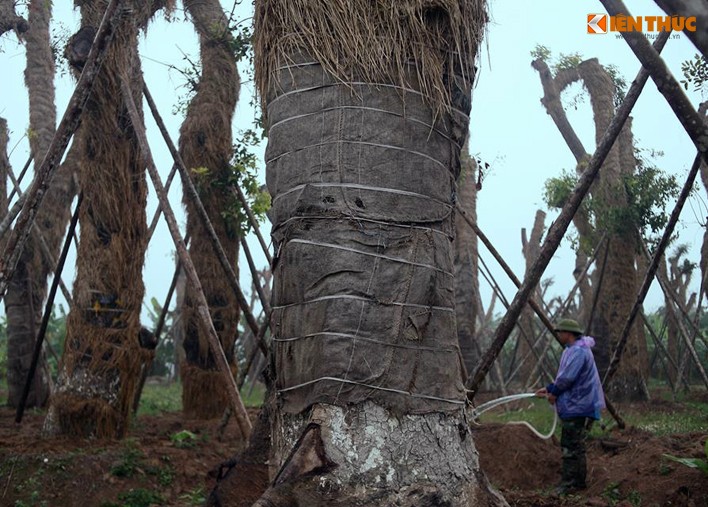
102 354
205 145
367 107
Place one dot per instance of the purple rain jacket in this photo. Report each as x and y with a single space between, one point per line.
577 386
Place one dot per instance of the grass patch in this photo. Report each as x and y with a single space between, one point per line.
688 417
535 411
253 397
157 399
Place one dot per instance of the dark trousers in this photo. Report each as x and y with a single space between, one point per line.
573 436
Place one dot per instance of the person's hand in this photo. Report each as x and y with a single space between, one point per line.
542 393
552 399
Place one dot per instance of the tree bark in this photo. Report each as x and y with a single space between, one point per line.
468 305
205 147
102 354
9 20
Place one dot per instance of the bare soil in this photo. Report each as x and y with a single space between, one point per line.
625 468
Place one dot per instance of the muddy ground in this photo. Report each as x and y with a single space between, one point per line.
168 460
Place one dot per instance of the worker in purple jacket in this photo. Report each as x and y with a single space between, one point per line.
578 397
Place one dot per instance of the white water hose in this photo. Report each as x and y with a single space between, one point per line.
508 399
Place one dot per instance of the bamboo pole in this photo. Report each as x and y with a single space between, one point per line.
660 346
47 312
16 188
566 302
160 325
191 191
40 236
522 333
254 275
680 322
531 302
254 223
68 125
202 307
665 82
158 211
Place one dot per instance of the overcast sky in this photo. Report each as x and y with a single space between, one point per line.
509 129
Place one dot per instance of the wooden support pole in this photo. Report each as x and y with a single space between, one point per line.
158 211
68 125
16 188
565 304
663 283
660 346
597 288
665 82
47 312
558 229
202 307
651 271
497 289
531 302
254 223
191 191
40 237
11 215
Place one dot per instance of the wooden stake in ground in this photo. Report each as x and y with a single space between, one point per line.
203 309
68 125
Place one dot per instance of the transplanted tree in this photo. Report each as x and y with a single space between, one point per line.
367 110
206 148
102 353
28 287
627 198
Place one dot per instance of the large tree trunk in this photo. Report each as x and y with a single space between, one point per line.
468 305
27 290
367 108
102 354
619 283
206 143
